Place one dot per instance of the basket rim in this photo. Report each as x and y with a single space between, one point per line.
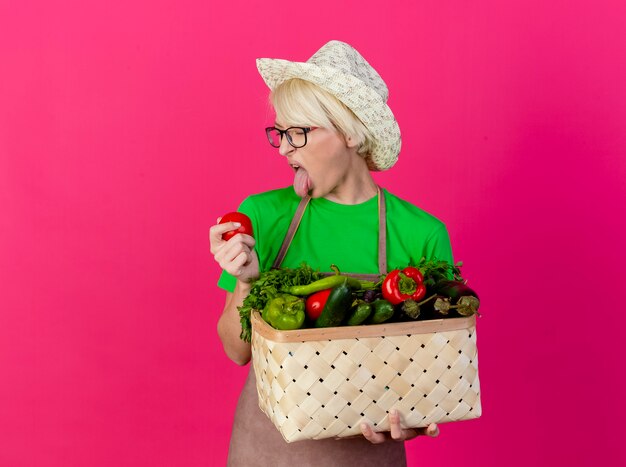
368 330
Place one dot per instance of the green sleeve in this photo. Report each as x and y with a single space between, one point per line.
227 281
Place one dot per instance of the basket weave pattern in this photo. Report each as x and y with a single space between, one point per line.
314 389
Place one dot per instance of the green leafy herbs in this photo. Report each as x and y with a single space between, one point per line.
270 284
435 270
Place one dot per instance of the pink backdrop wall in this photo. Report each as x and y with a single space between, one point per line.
127 127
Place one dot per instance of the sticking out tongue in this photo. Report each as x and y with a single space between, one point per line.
302 183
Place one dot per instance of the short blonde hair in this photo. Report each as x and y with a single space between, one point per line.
298 102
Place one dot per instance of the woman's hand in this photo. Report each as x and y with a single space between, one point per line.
396 432
236 256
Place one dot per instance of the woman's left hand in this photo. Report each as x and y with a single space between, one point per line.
396 432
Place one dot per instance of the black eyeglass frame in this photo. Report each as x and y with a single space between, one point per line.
305 130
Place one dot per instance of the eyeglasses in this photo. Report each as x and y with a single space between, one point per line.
296 136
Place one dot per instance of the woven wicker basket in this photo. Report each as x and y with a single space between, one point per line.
321 383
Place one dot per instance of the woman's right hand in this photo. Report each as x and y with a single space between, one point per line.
236 256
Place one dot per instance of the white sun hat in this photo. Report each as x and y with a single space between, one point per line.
339 69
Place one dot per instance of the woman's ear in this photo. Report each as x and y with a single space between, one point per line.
351 141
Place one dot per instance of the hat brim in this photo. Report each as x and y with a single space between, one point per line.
364 101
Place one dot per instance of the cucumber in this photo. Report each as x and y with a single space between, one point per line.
383 311
359 313
336 307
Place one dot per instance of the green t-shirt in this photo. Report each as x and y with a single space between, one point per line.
341 234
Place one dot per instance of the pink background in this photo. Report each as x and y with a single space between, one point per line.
127 127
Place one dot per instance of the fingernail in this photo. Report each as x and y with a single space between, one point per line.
237 224
364 427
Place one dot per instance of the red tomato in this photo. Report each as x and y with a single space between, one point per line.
315 303
245 228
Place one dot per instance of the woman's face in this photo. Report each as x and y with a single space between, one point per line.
322 164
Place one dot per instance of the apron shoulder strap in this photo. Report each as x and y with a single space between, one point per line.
382 232
382 236
291 232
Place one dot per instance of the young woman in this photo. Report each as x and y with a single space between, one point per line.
333 127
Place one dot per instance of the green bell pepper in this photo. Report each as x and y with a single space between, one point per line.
284 312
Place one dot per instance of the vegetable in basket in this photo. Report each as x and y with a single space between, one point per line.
330 282
383 311
413 308
323 284
267 286
315 304
435 270
337 307
284 312
401 285
456 295
360 311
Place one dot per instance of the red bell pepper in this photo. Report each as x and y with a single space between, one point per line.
400 285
